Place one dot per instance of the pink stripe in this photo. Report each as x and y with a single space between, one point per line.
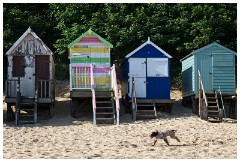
90 40
80 66
101 70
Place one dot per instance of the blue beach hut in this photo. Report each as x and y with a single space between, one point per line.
149 65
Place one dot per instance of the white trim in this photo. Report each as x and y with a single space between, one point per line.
144 44
28 31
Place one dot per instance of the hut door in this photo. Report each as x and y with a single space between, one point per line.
206 72
137 69
42 72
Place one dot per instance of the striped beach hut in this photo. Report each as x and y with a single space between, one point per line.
91 74
88 49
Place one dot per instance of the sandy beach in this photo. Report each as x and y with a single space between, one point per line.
64 137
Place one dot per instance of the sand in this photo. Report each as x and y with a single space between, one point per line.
64 137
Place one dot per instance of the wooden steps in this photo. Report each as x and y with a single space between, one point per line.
105 110
144 110
214 113
26 112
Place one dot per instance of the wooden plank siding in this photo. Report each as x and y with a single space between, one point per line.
29 47
89 49
188 79
216 64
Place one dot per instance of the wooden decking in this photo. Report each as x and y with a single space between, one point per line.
86 94
156 101
12 100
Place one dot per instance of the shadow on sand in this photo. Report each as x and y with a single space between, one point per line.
61 115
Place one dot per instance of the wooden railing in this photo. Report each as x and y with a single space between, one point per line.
201 92
80 77
134 100
115 89
11 87
44 88
223 108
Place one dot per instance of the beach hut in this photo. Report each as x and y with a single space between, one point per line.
215 64
146 75
91 76
30 80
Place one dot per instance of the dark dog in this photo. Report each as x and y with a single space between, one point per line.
163 135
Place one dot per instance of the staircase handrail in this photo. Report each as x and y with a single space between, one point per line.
202 87
220 93
93 95
115 89
134 99
36 101
17 111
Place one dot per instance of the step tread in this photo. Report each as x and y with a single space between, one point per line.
103 101
145 110
26 103
107 113
212 106
211 97
24 115
104 107
147 116
27 109
212 102
140 105
25 121
213 110
217 115
104 118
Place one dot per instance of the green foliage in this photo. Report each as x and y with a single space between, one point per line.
61 71
176 28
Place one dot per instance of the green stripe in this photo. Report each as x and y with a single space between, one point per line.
90 60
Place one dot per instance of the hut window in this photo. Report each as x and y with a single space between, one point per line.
157 67
18 66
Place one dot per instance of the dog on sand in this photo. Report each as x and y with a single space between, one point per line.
163 135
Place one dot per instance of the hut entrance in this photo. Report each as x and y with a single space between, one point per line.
42 75
42 66
207 72
137 70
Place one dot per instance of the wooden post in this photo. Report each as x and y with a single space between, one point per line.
204 110
70 71
93 96
199 95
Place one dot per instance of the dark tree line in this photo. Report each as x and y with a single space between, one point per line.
176 28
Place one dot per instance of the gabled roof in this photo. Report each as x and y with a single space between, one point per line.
28 31
89 32
208 46
146 43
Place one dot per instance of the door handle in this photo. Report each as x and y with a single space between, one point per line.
145 82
